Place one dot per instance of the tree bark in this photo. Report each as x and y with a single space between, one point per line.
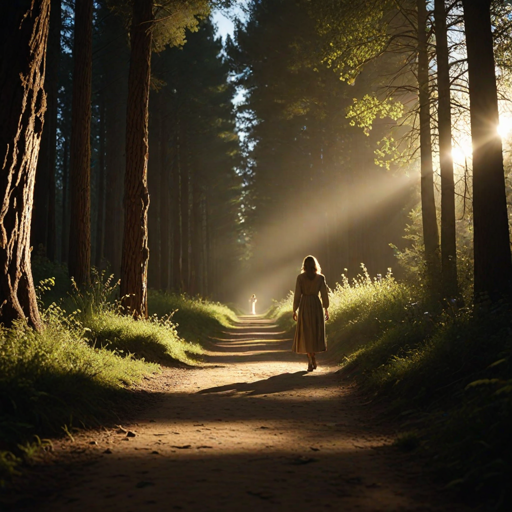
493 266
24 27
448 230
79 261
428 206
135 256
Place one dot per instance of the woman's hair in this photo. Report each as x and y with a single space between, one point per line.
310 262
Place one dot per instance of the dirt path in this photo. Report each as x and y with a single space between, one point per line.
252 431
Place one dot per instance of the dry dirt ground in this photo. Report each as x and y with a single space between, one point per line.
251 431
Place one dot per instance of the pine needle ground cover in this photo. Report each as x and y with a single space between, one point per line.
445 373
81 369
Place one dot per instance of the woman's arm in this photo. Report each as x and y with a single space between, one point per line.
296 298
324 294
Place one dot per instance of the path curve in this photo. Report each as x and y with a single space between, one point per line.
251 431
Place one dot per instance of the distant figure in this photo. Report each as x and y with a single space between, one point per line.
310 332
253 301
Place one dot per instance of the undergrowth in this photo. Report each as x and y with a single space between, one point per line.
444 371
80 369
193 316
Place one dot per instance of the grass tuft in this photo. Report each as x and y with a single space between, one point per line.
194 317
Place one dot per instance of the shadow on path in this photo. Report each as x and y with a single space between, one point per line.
275 384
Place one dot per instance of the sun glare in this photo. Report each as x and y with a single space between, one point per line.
505 126
461 152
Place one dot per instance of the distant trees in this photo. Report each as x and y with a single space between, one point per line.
193 231
79 261
24 27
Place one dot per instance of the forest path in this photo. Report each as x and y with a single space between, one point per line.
250 431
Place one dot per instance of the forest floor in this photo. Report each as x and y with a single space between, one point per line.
251 430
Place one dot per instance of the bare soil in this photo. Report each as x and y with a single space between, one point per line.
249 431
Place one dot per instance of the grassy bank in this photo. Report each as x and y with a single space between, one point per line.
193 316
445 372
80 371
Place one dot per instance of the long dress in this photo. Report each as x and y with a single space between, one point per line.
310 331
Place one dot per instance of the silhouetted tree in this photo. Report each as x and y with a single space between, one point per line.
448 234
428 206
493 265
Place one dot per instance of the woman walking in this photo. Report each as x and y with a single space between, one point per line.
310 332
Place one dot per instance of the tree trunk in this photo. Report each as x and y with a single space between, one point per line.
209 282
176 219
114 170
79 261
100 222
448 232
116 77
135 256
428 206
185 208
65 201
154 177
164 205
195 275
493 266
24 27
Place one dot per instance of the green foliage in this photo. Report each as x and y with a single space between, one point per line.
192 316
172 19
55 378
155 339
388 153
362 113
355 33
457 367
